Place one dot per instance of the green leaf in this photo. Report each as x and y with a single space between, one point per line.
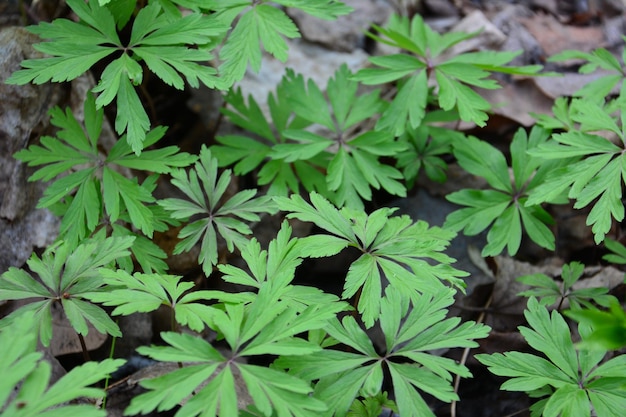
485 206
480 158
262 23
322 9
80 313
618 250
142 293
506 206
226 218
68 274
265 325
27 377
74 47
371 406
99 189
394 249
34 399
607 327
19 358
567 370
169 47
409 335
595 177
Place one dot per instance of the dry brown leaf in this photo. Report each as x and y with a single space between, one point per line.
554 37
517 99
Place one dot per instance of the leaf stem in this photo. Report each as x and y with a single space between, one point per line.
457 377
83 346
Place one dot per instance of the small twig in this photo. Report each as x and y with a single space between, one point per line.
517 412
108 378
466 351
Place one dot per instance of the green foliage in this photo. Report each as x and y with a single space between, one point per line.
592 165
265 326
409 335
574 380
395 251
602 87
549 292
609 327
143 293
423 58
262 24
65 274
164 45
27 377
505 204
247 153
349 157
94 190
278 265
338 145
426 146
219 214
618 255
371 406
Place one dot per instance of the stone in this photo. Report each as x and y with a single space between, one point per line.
23 114
347 33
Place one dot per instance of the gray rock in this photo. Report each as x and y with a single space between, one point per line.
347 33
23 112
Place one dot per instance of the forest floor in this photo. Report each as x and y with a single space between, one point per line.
539 29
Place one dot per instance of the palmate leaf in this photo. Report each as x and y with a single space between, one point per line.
218 216
409 336
574 375
618 252
96 189
372 406
149 256
354 168
165 45
19 358
549 292
608 326
248 154
66 275
425 147
602 87
28 377
395 250
595 170
298 156
262 24
503 207
35 399
278 265
144 293
266 325
454 76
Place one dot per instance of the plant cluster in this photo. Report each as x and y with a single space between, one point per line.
316 156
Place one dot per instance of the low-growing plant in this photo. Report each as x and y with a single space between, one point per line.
550 292
285 349
24 388
505 204
65 275
568 381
